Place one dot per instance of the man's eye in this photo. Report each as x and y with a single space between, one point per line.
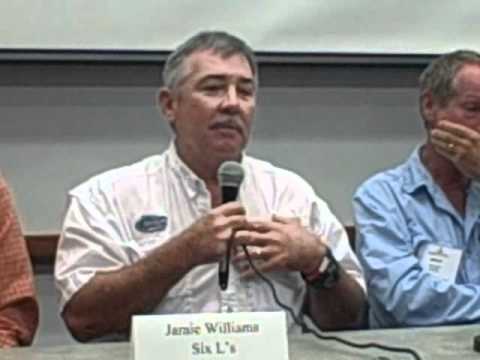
212 88
472 106
246 91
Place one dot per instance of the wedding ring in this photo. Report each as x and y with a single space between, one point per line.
451 147
258 251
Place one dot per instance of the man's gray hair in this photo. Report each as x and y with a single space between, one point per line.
438 77
221 43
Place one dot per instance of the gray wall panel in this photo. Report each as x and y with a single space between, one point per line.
54 138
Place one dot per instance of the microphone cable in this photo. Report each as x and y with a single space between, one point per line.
301 323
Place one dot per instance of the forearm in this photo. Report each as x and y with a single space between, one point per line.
106 304
421 299
339 307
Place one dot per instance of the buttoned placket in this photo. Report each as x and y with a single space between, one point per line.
239 295
472 235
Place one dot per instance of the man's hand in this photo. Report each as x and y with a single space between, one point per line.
280 244
208 237
460 144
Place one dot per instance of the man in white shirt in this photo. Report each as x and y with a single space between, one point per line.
147 238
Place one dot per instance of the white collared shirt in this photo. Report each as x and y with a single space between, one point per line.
101 231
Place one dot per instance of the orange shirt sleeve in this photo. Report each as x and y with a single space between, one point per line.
18 304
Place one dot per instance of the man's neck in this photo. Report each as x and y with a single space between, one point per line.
453 183
206 168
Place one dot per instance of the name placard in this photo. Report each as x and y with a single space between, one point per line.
235 336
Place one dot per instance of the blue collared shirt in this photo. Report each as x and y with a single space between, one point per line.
398 213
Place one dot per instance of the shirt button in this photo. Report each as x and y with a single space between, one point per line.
226 308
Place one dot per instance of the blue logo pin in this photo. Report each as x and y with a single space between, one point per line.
151 223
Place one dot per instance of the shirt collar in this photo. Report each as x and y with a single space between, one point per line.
474 193
194 184
475 187
417 175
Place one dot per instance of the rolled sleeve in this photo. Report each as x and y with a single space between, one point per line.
325 224
18 303
91 241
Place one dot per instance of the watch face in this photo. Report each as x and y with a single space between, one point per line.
324 265
330 280
326 275
329 273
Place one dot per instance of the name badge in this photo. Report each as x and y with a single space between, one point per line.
253 335
441 261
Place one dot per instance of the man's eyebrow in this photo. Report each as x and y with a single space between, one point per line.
213 77
247 81
472 96
220 77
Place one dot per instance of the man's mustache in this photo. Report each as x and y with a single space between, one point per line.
230 123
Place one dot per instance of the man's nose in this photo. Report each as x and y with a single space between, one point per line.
230 99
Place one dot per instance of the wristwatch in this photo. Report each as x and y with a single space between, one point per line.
326 275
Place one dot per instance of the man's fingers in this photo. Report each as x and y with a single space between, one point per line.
448 153
260 226
450 150
285 219
230 208
251 238
442 145
235 222
458 130
449 139
276 224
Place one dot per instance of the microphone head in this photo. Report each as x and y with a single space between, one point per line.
230 174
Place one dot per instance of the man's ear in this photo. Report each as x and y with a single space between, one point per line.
428 109
167 103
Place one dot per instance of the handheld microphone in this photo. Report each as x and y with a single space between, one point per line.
230 176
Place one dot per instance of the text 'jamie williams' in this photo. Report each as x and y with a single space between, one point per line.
216 327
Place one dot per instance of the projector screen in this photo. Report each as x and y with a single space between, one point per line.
305 26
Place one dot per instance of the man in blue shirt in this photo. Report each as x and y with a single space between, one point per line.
418 225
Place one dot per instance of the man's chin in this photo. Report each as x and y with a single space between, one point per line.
229 153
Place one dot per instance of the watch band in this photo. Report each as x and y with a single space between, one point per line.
326 275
